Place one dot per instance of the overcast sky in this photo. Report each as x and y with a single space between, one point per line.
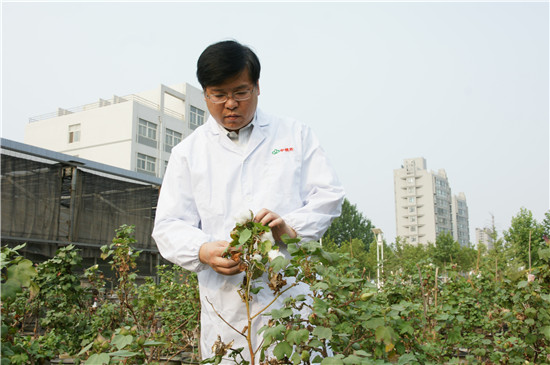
463 84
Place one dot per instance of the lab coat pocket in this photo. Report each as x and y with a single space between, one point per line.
282 174
209 206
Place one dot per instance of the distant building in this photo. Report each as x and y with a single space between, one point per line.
425 207
461 230
485 236
134 132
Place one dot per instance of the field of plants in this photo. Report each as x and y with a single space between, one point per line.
437 305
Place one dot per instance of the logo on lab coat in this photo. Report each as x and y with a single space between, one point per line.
287 149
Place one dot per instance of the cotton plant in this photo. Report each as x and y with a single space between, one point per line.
253 246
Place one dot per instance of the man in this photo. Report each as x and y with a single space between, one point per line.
241 159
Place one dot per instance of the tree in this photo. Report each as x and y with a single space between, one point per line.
351 224
355 248
524 231
446 249
467 257
495 260
404 256
546 224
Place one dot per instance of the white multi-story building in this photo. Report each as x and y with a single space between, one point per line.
485 236
424 205
461 230
134 132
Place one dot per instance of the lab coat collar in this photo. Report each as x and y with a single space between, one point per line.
259 120
259 133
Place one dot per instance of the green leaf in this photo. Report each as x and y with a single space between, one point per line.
352 360
362 353
281 313
297 337
322 332
315 343
121 341
279 263
522 284
153 343
332 361
10 289
374 323
265 247
85 349
296 358
274 333
407 328
24 271
319 286
406 359
244 236
383 333
123 353
300 298
292 249
282 349
98 359
545 331
256 290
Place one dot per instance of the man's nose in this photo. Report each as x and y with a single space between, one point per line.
231 103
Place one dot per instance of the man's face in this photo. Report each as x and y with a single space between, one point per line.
232 114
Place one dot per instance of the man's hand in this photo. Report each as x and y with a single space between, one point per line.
276 223
211 253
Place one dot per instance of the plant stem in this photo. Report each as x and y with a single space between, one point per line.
223 319
273 301
247 300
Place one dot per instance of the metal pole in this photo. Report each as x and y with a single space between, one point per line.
379 254
72 208
378 265
382 250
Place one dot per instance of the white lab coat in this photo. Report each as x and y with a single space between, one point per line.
210 181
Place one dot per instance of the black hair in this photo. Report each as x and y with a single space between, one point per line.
223 60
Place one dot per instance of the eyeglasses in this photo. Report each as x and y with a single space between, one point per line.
240 95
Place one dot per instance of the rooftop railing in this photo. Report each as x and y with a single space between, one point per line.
102 103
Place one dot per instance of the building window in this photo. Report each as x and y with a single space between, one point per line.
147 133
412 209
172 139
412 218
74 133
412 199
410 180
146 164
196 117
410 189
413 228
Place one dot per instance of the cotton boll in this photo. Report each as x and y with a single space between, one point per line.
244 217
257 257
268 236
273 254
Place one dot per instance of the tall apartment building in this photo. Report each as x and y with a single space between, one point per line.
461 230
424 205
134 132
485 236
